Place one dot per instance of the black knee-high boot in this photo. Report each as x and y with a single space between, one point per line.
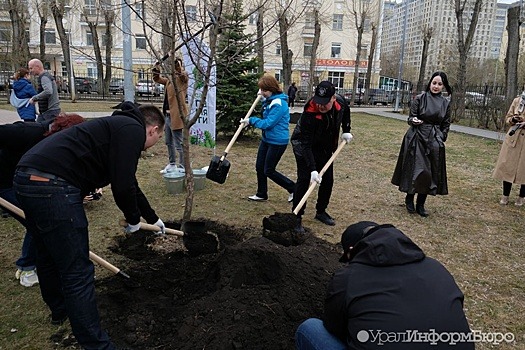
420 205
409 203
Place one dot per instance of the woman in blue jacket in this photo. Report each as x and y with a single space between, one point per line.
275 135
23 91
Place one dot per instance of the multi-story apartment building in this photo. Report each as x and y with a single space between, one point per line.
439 17
335 56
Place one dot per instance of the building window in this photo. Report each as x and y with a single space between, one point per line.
307 50
140 14
336 50
5 34
191 13
89 38
50 36
91 69
90 8
278 49
278 75
338 79
140 42
309 20
253 19
337 22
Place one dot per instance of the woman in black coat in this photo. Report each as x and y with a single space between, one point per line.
421 166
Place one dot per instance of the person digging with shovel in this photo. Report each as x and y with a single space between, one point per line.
51 181
314 140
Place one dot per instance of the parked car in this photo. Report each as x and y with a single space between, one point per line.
380 96
147 87
116 85
474 99
85 85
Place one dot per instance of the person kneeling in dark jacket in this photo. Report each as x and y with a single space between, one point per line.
389 295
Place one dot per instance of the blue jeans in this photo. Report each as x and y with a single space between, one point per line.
27 259
311 335
173 141
55 216
268 156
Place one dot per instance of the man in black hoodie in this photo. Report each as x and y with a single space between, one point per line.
51 181
389 296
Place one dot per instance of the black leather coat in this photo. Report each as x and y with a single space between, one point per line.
421 165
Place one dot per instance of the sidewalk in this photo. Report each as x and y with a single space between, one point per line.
11 116
389 113
7 117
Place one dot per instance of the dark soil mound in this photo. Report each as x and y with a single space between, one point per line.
251 295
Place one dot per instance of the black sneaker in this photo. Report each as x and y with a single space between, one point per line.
325 218
58 320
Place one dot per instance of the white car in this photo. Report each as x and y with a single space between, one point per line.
147 87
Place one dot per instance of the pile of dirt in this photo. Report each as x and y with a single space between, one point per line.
251 295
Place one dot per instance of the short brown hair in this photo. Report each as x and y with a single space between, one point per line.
152 115
20 73
269 83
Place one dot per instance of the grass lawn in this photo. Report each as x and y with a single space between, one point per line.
481 242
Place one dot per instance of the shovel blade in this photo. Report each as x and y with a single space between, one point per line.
218 170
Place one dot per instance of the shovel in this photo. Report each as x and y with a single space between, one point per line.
220 166
94 257
194 236
323 170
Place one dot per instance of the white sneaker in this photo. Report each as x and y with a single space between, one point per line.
169 168
290 197
257 198
18 273
28 278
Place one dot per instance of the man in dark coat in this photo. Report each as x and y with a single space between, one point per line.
314 140
388 287
51 181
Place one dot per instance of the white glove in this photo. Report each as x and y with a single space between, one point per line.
346 136
132 228
245 121
160 224
314 176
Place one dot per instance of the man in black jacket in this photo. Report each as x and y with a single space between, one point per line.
314 140
51 181
389 296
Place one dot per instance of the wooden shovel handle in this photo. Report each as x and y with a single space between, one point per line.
94 257
154 228
239 129
323 170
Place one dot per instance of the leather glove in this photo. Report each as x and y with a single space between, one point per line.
132 228
314 176
160 224
347 136
245 121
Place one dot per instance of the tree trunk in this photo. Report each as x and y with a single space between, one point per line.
427 35
511 58
260 39
370 63
286 53
314 79
109 19
464 44
58 14
355 86
17 13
